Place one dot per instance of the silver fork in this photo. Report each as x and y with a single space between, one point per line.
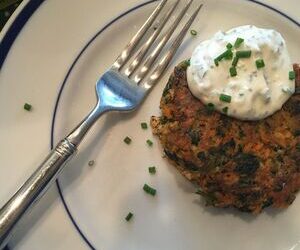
117 90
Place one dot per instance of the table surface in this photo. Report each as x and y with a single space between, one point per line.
7 7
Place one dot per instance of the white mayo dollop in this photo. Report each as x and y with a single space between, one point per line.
255 93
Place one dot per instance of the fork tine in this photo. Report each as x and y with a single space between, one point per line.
161 66
150 60
123 57
144 49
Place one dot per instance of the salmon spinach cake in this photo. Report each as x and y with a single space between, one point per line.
249 165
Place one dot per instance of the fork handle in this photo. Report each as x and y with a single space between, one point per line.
33 189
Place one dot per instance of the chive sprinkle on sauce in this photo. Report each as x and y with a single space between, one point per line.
210 106
216 62
144 125
238 42
193 32
152 170
235 61
227 54
127 140
260 63
225 110
225 98
27 106
229 46
129 216
232 71
149 190
243 53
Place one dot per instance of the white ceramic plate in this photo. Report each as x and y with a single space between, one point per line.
54 64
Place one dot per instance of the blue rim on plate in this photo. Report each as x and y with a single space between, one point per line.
16 27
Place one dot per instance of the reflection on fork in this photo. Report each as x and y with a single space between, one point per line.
118 89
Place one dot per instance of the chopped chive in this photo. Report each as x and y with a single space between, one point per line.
235 61
27 106
238 42
149 142
152 170
149 190
127 140
228 53
243 53
91 163
129 216
232 71
229 56
216 62
144 125
186 63
225 110
225 98
210 106
292 75
193 32
229 46
260 63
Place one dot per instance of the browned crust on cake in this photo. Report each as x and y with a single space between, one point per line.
243 164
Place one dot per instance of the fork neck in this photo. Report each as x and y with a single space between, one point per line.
78 133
